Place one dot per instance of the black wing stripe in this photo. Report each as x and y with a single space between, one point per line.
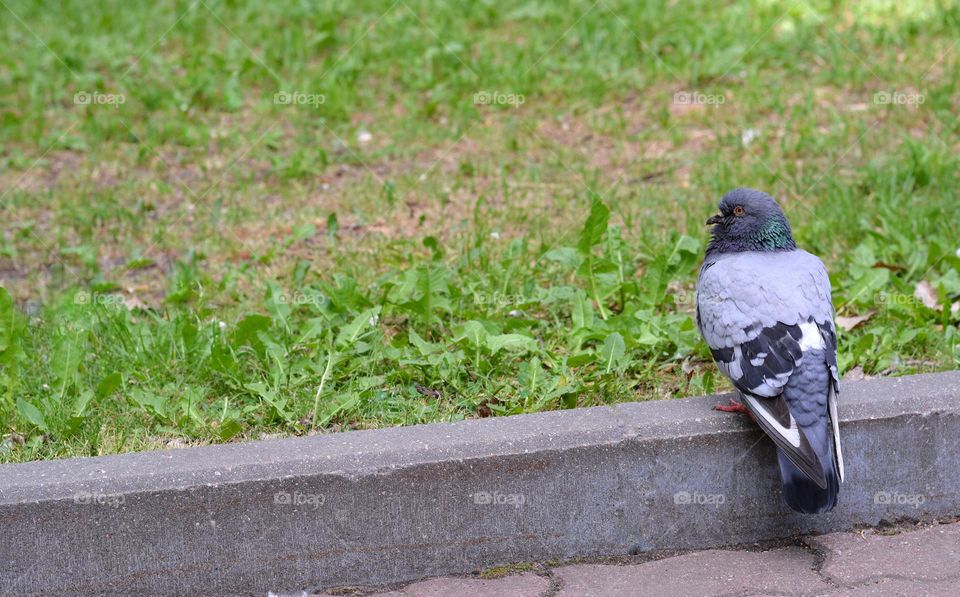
768 359
724 355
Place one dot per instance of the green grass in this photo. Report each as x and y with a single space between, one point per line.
201 263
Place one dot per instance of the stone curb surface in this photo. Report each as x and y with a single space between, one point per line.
379 507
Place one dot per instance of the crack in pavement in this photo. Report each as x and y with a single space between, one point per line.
556 583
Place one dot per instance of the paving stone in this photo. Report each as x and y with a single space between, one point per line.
778 571
520 585
926 554
885 587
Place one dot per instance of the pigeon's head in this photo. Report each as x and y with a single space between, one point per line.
749 220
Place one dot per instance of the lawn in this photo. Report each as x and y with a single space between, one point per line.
232 220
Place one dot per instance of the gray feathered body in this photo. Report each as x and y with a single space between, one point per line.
768 319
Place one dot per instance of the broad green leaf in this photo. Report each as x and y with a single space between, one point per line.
595 226
402 291
31 413
343 405
580 359
950 282
432 288
475 333
269 395
613 352
511 342
68 353
566 256
300 270
109 384
687 249
278 303
150 402
582 311
907 336
222 358
558 294
426 348
532 376
870 282
229 429
352 331
647 337
315 326
248 329
80 405
10 345
8 313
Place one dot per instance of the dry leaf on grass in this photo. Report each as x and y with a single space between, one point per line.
848 323
927 294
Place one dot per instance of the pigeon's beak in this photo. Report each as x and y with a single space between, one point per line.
715 219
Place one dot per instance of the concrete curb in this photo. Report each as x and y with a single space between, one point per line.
377 507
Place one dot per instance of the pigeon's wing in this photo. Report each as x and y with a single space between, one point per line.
762 364
759 312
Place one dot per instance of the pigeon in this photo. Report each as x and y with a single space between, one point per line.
764 309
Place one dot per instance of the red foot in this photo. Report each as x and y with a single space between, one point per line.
734 407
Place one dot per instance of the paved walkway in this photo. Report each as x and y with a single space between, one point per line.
921 561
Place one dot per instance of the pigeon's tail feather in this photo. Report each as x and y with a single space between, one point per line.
808 392
799 490
802 494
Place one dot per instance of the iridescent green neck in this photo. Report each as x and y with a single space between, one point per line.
775 236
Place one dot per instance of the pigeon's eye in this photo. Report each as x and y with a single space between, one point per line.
738 211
